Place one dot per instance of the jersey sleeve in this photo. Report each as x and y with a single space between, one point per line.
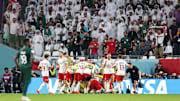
49 65
40 64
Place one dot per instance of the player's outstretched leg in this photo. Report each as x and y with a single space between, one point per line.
41 86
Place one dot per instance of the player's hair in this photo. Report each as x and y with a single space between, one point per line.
46 56
130 63
103 56
120 56
26 41
5 68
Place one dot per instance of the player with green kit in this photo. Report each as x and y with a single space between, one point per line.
23 60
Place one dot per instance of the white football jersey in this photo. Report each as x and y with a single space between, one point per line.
87 71
81 66
62 64
45 64
120 64
108 69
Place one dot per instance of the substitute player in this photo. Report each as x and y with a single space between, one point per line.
78 76
120 66
62 65
24 59
135 75
45 66
108 72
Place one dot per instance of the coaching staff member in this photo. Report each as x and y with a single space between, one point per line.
135 75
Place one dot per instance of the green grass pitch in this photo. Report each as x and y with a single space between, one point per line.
91 97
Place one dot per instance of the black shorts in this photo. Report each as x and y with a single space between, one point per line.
87 78
135 77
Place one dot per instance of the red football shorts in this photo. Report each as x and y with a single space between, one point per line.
95 85
68 76
46 79
61 76
119 78
107 76
78 77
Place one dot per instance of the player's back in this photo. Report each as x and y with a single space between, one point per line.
45 64
81 66
24 56
120 64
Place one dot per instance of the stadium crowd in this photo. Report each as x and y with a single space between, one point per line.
93 28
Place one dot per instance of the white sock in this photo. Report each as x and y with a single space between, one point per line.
41 86
72 87
108 85
48 87
78 86
121 85
119 89
85 89
62 88
60 84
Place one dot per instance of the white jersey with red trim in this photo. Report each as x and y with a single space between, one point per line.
120 64
45 64
108 69
80 67
62 64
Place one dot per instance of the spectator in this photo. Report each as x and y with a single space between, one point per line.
143 49
76 44
7 80
125 41
57 45
49 46
177 42
38 43
132 34
85 44
6 32
21 32
134 52
16 84
158 69
111 46
119 48
177 13
46 34
14 32
125 52
172 33
69 46
159 43
174 76
94 49
30 28
63 48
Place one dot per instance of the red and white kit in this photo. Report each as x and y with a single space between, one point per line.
79 72
108 69
45 64
120 64
62 65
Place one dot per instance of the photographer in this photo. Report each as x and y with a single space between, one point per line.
159 71
159 42
135 75
16 84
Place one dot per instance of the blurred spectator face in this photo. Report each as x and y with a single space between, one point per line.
174 22
49 41
14 20
159 32
159 65
46 26
134 48
94 40
85 33
170 14
125 34
6 70
142 44
14 10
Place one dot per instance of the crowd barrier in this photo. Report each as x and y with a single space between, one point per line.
150 86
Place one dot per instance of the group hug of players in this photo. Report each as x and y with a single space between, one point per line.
87 77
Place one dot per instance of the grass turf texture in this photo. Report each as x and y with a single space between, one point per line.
91 97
